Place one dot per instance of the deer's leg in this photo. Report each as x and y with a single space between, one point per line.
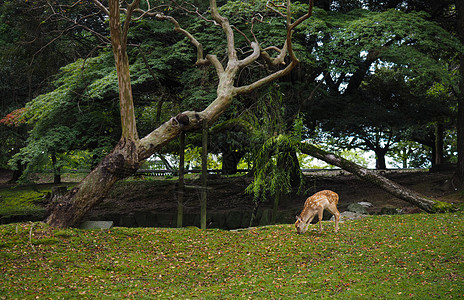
309 221
320 214
334 211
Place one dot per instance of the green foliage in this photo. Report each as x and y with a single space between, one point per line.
272 166
72 116
444 207
83 102
410 155
409 256
405 39
276 166
35 41
193 158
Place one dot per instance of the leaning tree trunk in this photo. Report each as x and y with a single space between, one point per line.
70 209
401 192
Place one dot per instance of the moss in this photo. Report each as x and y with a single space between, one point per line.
22 200
444 207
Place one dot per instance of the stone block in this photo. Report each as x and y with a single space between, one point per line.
96 225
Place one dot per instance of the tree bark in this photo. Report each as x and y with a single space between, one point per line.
438 157
401 192
181 187
204 176
380 163
230 160
70 209
56 170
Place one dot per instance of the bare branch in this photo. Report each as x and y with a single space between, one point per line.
252 57
292 26
271 77
281 56
101 7
243 34
272 6
130 9
232 54
260 20
196 12
279 59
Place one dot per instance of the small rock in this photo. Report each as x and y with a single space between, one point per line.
389 210
357 208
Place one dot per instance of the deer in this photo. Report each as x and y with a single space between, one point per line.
315 205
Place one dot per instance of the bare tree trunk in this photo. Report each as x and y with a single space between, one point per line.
401 192
204 176
56 170
380 163
181 187
70 209
438 144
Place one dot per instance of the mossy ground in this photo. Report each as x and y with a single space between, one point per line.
23 200
416 256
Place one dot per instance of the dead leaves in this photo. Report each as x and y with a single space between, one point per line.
419 255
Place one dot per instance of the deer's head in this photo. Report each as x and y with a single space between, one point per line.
301 226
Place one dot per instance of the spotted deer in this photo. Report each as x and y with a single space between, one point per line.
315 205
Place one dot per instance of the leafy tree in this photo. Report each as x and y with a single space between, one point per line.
274 148
410 155
131 150
376 70
84 99
34 44
68 118
149 67
12 133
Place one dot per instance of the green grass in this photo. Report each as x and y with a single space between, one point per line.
384 257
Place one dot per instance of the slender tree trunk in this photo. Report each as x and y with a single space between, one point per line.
380 163
404 154
180 195
119 46
204 175
230 160
438 144
389 186
56 170
275 207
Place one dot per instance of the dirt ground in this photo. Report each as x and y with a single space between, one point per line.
228 193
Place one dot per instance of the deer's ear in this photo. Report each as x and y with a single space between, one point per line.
298 218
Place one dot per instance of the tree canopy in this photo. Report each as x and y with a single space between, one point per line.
372 75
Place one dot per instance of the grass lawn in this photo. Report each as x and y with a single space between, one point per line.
383 257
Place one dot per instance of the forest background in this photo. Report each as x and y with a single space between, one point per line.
377 76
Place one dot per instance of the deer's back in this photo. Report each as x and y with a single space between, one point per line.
321 198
